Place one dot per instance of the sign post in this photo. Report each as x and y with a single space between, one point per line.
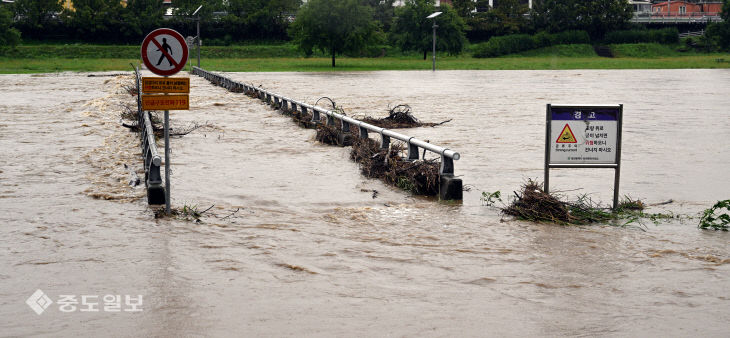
168 47
584 137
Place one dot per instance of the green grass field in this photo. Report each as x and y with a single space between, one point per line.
284 58
463 63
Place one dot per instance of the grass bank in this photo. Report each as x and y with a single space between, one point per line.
462 63
284 58
52 65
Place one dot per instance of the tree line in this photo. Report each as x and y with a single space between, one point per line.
128 21
331 26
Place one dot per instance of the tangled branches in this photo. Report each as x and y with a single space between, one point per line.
535 205
419 177
400 117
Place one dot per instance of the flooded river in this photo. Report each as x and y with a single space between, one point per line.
296 243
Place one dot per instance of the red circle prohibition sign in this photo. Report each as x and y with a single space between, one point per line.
162 51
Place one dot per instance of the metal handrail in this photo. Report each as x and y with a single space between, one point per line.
150 156
692 34
676 17
152 145
447 155
684 14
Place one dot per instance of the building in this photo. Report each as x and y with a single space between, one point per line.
641 7
687 8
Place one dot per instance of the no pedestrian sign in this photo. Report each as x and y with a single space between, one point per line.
164 52
583 134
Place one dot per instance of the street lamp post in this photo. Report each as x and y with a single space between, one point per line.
433 53
197 37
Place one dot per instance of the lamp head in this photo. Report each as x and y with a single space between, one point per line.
196 11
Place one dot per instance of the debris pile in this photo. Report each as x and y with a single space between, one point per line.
534 204
420 177
400 117
327 134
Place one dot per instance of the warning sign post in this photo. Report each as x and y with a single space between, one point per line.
583 137
164 52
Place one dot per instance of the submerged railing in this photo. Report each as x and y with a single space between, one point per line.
150 156
450 187
448 156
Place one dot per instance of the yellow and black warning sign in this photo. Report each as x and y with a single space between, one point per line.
165 85
165 102
566 136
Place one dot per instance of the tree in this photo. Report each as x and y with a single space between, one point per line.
507 17
384 12
95 20
718 34
138 18
465 8
262 19
9 36
36 17
594 16
334 27
413 32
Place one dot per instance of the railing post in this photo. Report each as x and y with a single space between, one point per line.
384 141
344 138
447 166
363 132
412 151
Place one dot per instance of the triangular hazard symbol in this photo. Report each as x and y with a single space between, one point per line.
566 136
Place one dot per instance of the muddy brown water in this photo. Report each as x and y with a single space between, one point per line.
295 243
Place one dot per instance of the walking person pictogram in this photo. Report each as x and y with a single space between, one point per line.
167 48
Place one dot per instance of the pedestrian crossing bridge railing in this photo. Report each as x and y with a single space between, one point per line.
331 117
150 156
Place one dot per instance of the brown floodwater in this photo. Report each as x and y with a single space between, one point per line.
296 242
